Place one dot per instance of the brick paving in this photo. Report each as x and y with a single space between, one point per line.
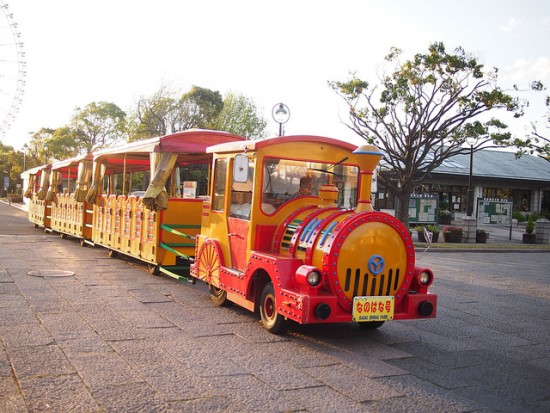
111 337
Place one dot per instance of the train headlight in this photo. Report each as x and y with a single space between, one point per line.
425 278
314 278
309 276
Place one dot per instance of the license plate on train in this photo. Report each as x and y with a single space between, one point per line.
373 308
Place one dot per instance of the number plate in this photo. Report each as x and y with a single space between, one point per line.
373 308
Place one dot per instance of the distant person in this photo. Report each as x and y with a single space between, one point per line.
306 187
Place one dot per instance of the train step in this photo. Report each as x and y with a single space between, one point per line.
175 271
170 247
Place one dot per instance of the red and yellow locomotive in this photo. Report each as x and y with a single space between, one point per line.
283 226
319 258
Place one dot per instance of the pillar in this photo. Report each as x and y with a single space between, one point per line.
470 225
542 231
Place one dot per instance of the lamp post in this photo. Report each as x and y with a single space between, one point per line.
281 115
46 153
25 149
470 207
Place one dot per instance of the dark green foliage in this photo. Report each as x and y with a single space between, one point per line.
423 111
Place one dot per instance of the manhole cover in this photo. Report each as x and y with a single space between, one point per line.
50 273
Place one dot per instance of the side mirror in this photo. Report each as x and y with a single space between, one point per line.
240 168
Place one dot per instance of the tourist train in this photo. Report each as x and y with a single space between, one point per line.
230 212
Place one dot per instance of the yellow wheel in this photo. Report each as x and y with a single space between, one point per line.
209 263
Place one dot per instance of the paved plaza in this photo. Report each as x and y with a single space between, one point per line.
98 334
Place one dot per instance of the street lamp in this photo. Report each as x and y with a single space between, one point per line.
46 153
25 149
470 207
281 115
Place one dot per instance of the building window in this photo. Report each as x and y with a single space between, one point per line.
521 200
497 193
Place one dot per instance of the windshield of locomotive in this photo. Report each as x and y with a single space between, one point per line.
286 179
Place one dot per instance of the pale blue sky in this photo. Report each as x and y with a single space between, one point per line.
119 50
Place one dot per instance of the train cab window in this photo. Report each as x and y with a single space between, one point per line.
282 178
241 192
220 179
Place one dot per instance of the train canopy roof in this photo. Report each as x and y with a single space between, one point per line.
190 145
71 163
251 145
37 170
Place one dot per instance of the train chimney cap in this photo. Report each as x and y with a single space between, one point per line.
368 150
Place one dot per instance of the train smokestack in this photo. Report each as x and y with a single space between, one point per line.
372 156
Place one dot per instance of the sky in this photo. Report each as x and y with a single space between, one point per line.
78 52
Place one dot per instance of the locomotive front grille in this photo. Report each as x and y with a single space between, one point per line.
358 283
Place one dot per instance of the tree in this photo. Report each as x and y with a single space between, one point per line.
65 142
163 114
38 146
239 116
6 164
424 112
98 125
11 165
48 144
536 143
198 108
153 116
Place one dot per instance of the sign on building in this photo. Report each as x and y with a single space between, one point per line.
423 209
494 211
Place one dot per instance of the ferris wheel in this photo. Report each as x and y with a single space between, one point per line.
12 69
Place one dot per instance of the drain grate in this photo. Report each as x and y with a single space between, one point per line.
50 273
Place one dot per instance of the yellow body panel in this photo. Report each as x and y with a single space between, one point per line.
377 239
40 212
183 216
70 217
124 225
136 228
149 240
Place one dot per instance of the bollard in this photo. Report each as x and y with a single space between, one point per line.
542 231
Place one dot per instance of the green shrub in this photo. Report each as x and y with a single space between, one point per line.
534 216
519 216
430 227
530 227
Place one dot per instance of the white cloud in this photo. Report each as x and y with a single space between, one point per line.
524 71
511 25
